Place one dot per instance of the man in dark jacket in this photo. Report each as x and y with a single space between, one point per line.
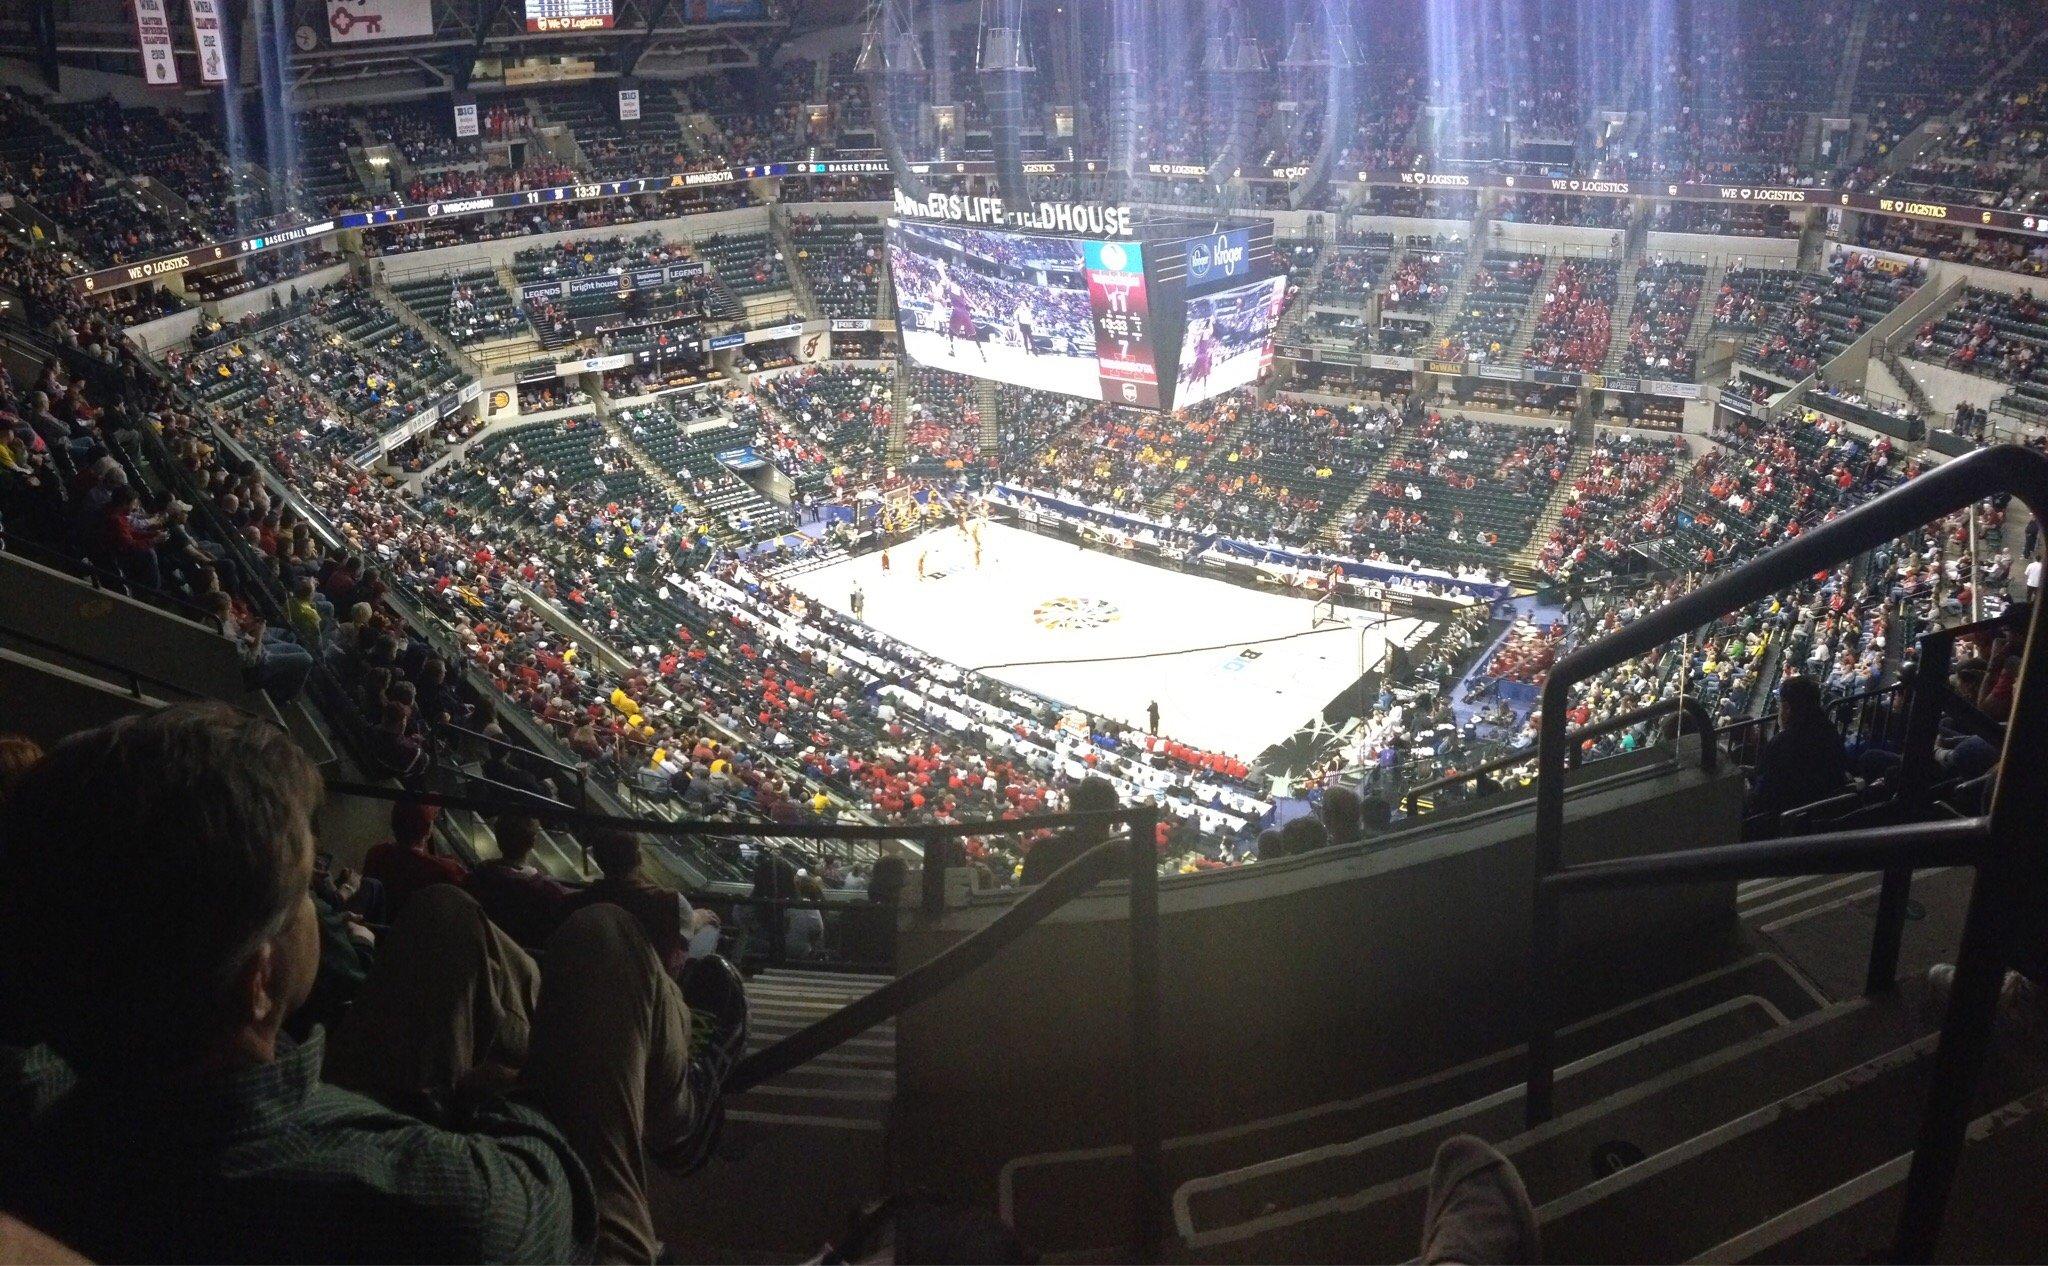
1049 855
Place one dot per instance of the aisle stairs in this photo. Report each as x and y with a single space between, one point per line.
812 1143
1337 518
1525 329
1522 567
1727 1118
1624 312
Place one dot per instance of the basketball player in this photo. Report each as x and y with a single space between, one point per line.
885 562
960 321
1205 354
920 564
859 601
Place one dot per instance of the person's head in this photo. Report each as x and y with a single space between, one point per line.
412 823
1092 795
517 835
1799 706
1375 812
154 893
1341 810
617 852
18 754
1304 834
885 882
1271 844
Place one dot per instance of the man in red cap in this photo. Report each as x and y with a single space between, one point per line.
407 862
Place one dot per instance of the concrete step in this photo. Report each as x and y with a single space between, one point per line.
780 1187
1050 1199
1995 1213
1571 1162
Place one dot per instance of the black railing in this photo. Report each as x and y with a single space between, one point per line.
1140 862
1702 724
2003 846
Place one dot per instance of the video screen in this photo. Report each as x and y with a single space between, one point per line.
1228 339
1009 306
549 16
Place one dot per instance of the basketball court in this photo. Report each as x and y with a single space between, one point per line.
1253 673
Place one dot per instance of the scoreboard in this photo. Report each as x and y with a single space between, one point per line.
1144 321
568 15
1122 314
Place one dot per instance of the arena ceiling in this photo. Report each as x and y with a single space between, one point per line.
649 37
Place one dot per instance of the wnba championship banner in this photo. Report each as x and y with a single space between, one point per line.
209 40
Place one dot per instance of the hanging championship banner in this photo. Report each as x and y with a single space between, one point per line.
209 40
629 105
153 34
465 116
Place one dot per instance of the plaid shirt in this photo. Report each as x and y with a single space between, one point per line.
271 1164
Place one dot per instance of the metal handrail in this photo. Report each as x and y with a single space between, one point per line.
948 967
137 679
1709 747
2003 847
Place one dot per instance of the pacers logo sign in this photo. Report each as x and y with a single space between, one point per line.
1076 613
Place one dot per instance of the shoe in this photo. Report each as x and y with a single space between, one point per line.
1479 1211
717 997
2019 1020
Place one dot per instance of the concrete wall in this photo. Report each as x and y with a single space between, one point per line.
442 260
1293 982
1946 387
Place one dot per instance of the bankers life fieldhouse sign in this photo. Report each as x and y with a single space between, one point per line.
1074 219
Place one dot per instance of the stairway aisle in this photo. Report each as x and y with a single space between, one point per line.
800 1154
1342 514
1522 567
1517 346
1624 312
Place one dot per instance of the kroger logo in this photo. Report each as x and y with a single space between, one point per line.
1224 255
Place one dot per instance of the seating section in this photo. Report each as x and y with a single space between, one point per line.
1353 272
1995 335
943 429
351 349
1422 280
1768 483
748 263
1459 490
1622 470
1287 472
614 149
470 307
689 438
1577 314
1830 311
1660 324
842 262
1749 297
841 412
1484 328
1127 457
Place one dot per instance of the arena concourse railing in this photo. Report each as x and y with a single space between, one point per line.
1693 712
2004 845
1133 856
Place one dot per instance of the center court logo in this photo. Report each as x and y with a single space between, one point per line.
1076 613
